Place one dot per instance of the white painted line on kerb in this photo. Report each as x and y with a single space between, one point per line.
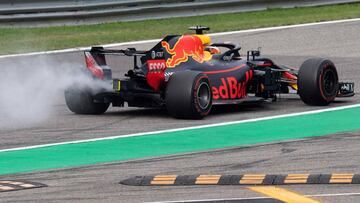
186 128
156 40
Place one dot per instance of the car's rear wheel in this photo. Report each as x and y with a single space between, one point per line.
80 101
318 81
188 95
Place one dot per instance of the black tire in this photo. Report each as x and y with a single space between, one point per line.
188 95
318 82
80 101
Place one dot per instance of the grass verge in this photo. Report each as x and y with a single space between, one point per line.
22 40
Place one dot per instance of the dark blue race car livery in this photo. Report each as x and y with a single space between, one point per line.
188 74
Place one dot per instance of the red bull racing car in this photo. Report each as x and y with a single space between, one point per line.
188 74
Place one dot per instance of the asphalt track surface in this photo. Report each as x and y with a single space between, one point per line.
329 154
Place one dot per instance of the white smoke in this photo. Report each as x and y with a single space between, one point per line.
29 91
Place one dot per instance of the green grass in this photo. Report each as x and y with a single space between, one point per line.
20 40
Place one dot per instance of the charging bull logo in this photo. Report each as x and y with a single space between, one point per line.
187 45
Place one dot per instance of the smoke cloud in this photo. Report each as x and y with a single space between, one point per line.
31 88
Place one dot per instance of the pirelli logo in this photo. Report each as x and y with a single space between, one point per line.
9 185
246 179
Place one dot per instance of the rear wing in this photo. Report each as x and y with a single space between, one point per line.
96 62
126 52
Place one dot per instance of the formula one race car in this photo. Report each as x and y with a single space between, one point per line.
187 74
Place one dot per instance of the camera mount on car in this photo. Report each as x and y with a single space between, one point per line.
199 29
253 54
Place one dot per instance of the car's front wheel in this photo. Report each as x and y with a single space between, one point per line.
318 81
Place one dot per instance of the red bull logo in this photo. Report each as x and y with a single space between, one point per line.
231 88
187 45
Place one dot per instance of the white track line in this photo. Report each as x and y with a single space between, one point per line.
214 200
254 198
156 40
334 194
186 128
78 49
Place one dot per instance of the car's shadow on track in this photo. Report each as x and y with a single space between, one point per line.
139 112
220 110
239 108
216 110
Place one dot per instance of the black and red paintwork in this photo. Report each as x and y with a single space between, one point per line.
233 78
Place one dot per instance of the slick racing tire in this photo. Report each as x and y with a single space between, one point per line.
80 101
188 95
318 82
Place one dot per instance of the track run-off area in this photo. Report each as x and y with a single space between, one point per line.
176 141
83 158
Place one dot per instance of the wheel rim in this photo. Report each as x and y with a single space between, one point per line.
329 82
203 95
